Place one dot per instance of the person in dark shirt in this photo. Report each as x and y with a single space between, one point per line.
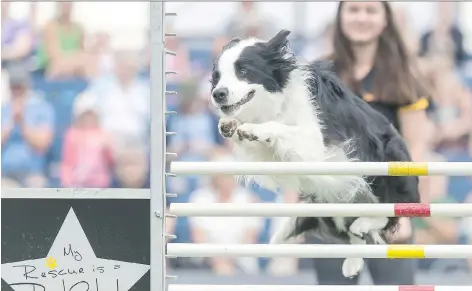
370 56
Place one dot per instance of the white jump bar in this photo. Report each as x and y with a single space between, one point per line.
188 250
319 210
185 287
326 168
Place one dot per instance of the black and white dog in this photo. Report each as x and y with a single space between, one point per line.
276 108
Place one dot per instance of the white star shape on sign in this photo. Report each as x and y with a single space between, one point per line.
71 265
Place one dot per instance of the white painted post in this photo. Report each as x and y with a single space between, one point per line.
158 150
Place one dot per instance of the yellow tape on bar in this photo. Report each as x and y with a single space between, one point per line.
405 252
407 169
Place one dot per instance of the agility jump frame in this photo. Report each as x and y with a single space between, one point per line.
157 195
322 210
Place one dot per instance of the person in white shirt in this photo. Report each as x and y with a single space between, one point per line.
123 100
226 230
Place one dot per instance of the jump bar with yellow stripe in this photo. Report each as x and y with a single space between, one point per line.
323 168
187 250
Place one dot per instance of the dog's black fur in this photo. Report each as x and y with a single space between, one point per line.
346 116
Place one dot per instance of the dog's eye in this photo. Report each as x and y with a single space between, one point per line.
242 72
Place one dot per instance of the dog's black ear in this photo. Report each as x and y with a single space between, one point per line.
232 43
279 41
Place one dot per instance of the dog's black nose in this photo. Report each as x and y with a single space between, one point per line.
220 95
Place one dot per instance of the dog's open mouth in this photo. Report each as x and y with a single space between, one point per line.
233 107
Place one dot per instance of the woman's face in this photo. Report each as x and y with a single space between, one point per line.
362 22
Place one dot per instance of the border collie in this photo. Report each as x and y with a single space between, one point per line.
275 108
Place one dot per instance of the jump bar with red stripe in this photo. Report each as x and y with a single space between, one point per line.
412 210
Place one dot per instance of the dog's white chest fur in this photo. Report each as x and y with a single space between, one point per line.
270 148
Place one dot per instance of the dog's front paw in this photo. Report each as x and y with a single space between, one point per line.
364 225
352 267
246 131
227 127
359 227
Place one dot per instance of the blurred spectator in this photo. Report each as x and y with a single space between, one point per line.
445 35
87 156
5 87
102 55
320 48
403 23
123 100
193 143
225 230
9 183
27 131
62 54
248 22
18 41
131 164
452 114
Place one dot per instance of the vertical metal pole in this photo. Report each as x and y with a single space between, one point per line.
158 199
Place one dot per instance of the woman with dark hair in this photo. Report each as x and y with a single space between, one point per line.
370 56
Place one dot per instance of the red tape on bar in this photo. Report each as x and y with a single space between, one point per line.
415 288
412 210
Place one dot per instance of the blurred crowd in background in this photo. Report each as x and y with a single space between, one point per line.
75 113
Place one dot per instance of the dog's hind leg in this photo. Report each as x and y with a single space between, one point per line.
353 266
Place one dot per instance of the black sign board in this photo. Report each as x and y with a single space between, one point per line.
75 244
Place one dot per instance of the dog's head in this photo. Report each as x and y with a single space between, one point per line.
249 73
